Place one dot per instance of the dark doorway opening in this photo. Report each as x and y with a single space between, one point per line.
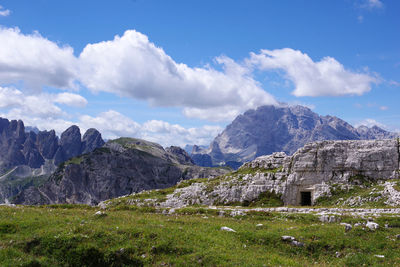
305 198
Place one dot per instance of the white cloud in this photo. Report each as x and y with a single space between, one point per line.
35 61
174 134
4 12
370 123
20 105
113 124
70 99
133 66
372 4
326 77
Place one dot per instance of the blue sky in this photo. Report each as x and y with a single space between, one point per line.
179 71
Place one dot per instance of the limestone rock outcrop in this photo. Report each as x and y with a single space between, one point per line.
301 178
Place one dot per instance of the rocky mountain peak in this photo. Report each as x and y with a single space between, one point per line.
181 155
91 140
269 129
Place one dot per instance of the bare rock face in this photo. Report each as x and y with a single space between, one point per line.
32 155
123 166
91 140
70 143
47 143
299 179
27 157
269 129
180 154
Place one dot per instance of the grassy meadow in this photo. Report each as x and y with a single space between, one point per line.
72 235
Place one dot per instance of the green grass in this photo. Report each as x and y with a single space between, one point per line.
76 160
68 235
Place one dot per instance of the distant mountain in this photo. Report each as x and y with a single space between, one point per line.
123 166
269 129
24 155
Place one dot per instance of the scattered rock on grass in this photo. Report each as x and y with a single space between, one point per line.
372 225
224 228
328 219
347 227
100 213
297 243
288 238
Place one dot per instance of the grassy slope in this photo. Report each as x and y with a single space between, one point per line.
73 235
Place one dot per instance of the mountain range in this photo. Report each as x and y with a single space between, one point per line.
27 158
269 129
38 167
122 166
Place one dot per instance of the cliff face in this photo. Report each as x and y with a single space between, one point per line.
32 149
121 167
309 173
271 129
28 158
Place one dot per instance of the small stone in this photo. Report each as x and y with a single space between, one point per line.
259 225
297 243
224 228
347 227
235 213
338 254
288 238
100 213
372 225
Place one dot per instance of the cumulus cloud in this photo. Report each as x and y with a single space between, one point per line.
173 134
35 61
4 12
130 65
40 105
327 77
371 123
372 4
113 124
70 99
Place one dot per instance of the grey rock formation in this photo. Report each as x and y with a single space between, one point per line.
91 140
271 129
47 143
26 155
181 155
302 178
70 144
121 167
33 158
